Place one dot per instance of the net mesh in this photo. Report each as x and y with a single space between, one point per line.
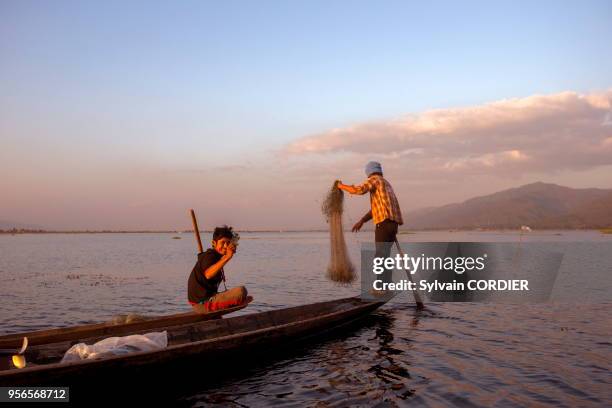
340 267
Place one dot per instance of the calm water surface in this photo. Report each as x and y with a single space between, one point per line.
451 354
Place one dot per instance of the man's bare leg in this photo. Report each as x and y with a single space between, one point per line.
223 300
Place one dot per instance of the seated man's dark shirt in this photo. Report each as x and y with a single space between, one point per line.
199 288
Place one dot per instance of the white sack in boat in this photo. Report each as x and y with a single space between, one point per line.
117 346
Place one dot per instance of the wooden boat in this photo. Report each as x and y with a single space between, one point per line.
189 343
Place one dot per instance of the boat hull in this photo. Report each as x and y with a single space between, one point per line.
206 350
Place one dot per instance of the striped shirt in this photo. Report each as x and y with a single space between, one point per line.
382 198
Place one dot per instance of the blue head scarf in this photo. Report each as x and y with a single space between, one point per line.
373 167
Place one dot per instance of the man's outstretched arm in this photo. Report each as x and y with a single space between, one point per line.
360 189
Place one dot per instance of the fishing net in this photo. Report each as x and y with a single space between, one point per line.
340 267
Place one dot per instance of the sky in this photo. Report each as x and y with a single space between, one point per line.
123 115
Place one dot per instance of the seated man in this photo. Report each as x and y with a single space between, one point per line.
208 273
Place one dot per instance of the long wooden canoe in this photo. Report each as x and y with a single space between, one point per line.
108 329
189 344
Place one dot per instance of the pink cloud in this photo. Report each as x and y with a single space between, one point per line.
537 133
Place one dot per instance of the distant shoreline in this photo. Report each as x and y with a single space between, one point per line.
401 232
15 232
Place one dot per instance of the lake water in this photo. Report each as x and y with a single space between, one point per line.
468 354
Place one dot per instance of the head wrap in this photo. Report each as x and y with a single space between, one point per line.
373 167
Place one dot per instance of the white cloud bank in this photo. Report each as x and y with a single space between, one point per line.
540 133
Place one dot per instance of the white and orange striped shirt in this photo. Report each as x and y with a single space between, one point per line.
382 198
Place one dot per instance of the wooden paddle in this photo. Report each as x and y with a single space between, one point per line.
196 231
417 296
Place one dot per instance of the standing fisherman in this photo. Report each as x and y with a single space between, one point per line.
385 211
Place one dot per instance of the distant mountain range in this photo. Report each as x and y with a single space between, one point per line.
537 205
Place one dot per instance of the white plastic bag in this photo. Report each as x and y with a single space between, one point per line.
117 346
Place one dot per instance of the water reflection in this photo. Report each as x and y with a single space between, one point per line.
325 367
389 371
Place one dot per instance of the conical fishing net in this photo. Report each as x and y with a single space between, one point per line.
340 267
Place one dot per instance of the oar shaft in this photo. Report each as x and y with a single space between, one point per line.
196 231
417 296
